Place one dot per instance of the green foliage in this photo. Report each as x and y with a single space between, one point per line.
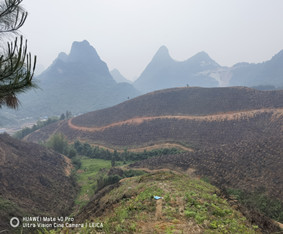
107 180
8 209
40 124
131 173
16 70
76 162
62 116
258 200
72 153
98 152
104 179
58 143
148 193
202 206
68 114
134 207
7 206
190 214
89 169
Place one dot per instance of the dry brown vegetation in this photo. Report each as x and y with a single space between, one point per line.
243 165
33 181
194 116
236 133
276 113
192 131
184 102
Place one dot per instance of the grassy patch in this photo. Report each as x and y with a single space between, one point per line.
202 206
86 178
186 205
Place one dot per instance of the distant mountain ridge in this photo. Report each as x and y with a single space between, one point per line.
164 72
266 73
200 70
79 82
118 77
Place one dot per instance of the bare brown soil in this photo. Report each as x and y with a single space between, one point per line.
68 167
158 211
279 224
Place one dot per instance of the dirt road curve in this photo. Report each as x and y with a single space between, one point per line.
217 117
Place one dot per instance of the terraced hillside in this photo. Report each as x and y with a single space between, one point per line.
236 134
195 117
34 181
184 101
245 165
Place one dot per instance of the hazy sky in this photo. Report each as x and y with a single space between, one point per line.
127 33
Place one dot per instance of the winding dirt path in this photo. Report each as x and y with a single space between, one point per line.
276 113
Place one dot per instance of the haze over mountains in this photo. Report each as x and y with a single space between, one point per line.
267 73
232 135
164 72
118 77
200 70
80 82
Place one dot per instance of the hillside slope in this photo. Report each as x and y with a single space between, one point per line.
246 165
193 116
187 206
33 181
235 133
184 101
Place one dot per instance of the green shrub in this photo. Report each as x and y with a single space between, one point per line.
190 214
58 143
107 180
76 162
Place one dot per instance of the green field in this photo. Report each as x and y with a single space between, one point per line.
86 178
